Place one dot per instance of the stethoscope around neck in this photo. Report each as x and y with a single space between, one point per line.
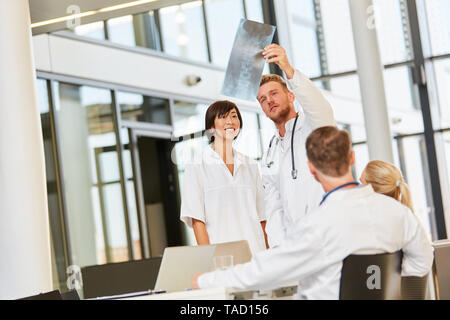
269 164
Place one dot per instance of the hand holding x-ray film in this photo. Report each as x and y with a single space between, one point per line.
246 63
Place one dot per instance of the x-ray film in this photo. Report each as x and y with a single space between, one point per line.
246 63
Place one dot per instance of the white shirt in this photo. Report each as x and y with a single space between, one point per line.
350 221
288 200
231 206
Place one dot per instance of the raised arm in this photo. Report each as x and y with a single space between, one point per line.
317 109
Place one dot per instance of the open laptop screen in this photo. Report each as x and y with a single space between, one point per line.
179 264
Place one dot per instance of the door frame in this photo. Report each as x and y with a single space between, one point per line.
136 130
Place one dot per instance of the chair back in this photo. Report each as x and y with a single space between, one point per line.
371 277
414 288
441 269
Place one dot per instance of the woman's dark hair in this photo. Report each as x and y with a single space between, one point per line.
219 108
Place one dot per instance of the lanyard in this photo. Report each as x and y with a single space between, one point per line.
336 189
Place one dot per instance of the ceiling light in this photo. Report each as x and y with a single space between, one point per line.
91 12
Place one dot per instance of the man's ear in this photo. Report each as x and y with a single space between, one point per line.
291 97
311 167
313 171
352 158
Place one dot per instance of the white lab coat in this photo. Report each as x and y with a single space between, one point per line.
288 200
350 221
230 205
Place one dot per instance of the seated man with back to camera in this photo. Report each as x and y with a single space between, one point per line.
351 219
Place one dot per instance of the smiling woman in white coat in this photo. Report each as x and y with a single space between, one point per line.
223 196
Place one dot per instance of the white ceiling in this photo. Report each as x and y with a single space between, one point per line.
43 10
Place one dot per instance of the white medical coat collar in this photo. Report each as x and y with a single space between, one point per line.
210 156
353 193
290 124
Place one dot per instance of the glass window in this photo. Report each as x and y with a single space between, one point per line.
303 10
112 195
59 263
146 31
87 145
183 31
442 79
188 117
248 142
139 108
267 130
109 165
253 10
304 49
188 151
338 35
390 31
346 86
221 35
99 235
412 154
121 30
42 96
399 94
304 37
361 149
438 17
361 158
92 30
132 212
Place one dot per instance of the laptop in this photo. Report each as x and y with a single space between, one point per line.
119 278
179 264
240 251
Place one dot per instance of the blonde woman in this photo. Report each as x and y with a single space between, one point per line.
386 179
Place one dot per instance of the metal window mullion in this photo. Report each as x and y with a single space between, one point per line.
422 145
172 114
320 35
347 127
119 149
355 72
59 175
158 28
102 207
245 9
105 29
261 144
439 57
421 83
205 23
409 50
139 194
269 17
401 157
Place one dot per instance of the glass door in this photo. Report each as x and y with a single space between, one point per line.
157 190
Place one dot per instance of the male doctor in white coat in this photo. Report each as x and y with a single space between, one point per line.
351 219
290 189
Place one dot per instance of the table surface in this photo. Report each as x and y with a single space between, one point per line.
220 293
